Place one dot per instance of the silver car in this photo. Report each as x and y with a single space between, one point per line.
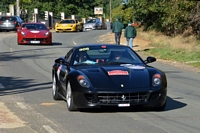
93 24
9 23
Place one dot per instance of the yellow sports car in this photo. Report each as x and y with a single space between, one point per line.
68 25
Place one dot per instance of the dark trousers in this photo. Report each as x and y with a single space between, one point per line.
117 37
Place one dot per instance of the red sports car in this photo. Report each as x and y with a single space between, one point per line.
34 33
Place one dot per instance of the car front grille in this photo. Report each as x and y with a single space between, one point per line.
132 98
35 39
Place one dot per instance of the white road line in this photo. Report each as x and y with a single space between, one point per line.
74 42
1 86
21 105
11 50
49 129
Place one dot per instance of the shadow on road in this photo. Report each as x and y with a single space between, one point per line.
25 54
17 85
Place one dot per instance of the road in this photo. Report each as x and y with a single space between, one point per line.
27 106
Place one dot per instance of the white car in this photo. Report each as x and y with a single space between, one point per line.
93 24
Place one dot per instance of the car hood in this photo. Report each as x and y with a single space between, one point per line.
35 33
89 24
66 25
119 77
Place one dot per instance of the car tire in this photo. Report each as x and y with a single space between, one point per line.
55 88
69 98
161 108
77 29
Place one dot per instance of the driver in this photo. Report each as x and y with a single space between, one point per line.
117 55
81 57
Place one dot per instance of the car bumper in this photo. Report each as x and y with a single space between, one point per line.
35 41
92 27
89 27
59 29
7 28
119 99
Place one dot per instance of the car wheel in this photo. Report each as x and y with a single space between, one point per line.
69 99
55 88
99 27
161 108
77 29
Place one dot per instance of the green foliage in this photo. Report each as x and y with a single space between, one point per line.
171 17
4 5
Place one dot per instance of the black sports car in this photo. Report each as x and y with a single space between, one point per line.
99 75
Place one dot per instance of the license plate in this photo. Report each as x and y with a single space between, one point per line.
35 41
124 105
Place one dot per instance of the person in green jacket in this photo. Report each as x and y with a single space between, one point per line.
117 29
130 33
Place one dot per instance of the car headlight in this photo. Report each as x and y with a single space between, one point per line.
156 79
23 33
83 81
46 34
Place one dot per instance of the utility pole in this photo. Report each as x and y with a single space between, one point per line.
110 10
17 7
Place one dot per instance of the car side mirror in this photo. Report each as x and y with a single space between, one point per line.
61 61
150 59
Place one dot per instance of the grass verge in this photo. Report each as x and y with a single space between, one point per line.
179 48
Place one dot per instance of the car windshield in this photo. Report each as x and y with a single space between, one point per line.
35 26
8 18
91 21
67 22
106 55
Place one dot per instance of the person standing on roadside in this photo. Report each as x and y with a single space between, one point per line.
117 29
130 33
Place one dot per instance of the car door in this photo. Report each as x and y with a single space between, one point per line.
64 69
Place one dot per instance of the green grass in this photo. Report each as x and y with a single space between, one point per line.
190 57
179 48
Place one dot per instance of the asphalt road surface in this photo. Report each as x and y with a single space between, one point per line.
27 106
